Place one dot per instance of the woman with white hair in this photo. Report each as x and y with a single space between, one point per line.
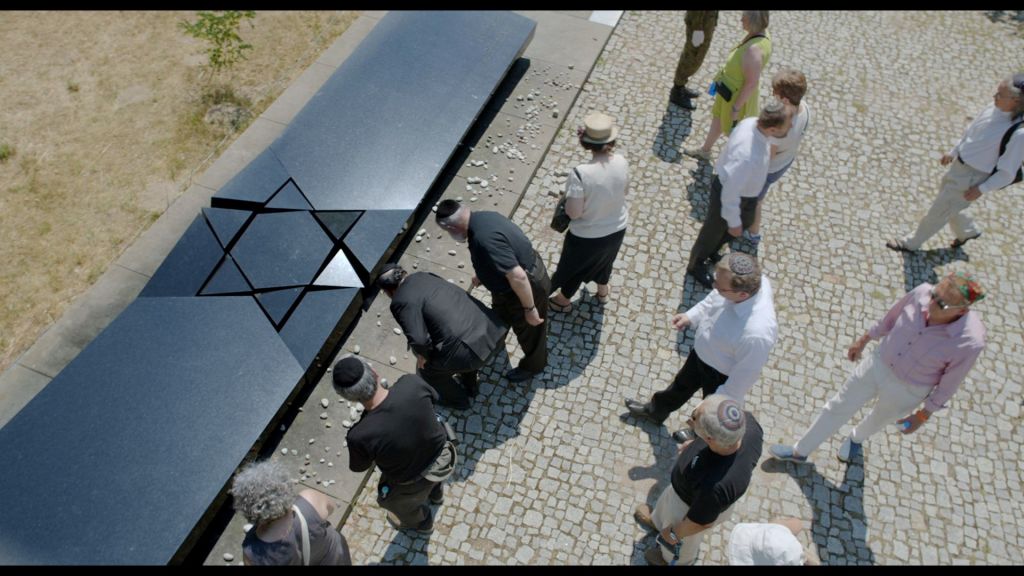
288 528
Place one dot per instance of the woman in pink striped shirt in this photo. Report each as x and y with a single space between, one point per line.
929 340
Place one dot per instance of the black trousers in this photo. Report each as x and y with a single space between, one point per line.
408 502
463 362
532 339
715 231
694 375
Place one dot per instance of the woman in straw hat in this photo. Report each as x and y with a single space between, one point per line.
596 203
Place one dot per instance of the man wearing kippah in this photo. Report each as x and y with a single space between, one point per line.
451 332
929 340
400 432
712 472
505 262
735 329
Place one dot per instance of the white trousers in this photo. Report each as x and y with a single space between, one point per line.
670 510
872 378
949 206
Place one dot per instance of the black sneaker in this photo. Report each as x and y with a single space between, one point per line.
679 97
519 375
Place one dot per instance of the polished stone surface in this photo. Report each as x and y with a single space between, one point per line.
114 462
338 223
373 234
289 198
226 280
189 265
381 128
282 249
277 303
254 185
226 223
339 273
313 321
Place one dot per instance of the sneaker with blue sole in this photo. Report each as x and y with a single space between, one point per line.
787 453
850 450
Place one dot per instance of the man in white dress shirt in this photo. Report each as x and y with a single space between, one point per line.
982 161
735 330
741 171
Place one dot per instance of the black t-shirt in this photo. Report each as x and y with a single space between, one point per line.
496 246
709 482
402 434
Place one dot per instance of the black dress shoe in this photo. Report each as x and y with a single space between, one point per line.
519 375
682 436
679 97
641 410
690 93
702 276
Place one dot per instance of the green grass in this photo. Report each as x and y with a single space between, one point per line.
6 151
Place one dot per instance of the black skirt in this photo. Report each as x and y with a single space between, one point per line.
586 260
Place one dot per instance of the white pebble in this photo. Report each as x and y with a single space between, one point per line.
483 183
331 465
323 415
284 451
397 331
356 349
346 423
325 402
392 360
451 252
322 460
311 440
462 264
228 557
295 452
378 324
246 528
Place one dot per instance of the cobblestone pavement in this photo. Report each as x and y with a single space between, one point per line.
553 468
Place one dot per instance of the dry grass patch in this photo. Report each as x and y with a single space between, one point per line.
102 128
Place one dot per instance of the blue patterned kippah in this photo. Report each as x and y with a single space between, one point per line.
730 416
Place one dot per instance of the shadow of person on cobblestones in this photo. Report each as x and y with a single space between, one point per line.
919 267
675 127
698 191
407 549
839 527
665 451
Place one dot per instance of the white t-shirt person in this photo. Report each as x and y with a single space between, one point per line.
786 148
603 190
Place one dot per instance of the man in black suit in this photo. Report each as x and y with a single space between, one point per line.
450 331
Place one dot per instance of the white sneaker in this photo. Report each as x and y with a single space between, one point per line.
849 450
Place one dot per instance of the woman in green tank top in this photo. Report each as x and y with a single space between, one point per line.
741 76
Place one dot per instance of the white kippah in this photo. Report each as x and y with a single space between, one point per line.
763 544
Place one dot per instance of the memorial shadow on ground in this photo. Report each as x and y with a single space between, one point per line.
919 267
839 507
675 126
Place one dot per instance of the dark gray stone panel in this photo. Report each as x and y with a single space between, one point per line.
277 303
226 280
120 456
282 249
254 185
371 237
289 198
226 223
339 273
337 223
313 321
189 265
380 129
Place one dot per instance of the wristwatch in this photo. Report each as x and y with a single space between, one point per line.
530 308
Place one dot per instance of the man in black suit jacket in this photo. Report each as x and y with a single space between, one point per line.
450 331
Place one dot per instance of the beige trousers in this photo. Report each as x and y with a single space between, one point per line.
950 207
872 378
671 509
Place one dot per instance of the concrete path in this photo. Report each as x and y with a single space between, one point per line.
553 470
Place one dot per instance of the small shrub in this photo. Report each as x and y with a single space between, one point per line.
72 86
220 30
6 151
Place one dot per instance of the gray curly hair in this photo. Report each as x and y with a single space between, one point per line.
263 491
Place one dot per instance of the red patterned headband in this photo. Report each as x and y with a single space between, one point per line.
969 288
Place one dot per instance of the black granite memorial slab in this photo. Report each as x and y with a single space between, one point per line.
339 273
277 303
226 280
289 198
226 223
337 223
121 455
282 249
186 269
373 234
381 128
314 320
254 185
